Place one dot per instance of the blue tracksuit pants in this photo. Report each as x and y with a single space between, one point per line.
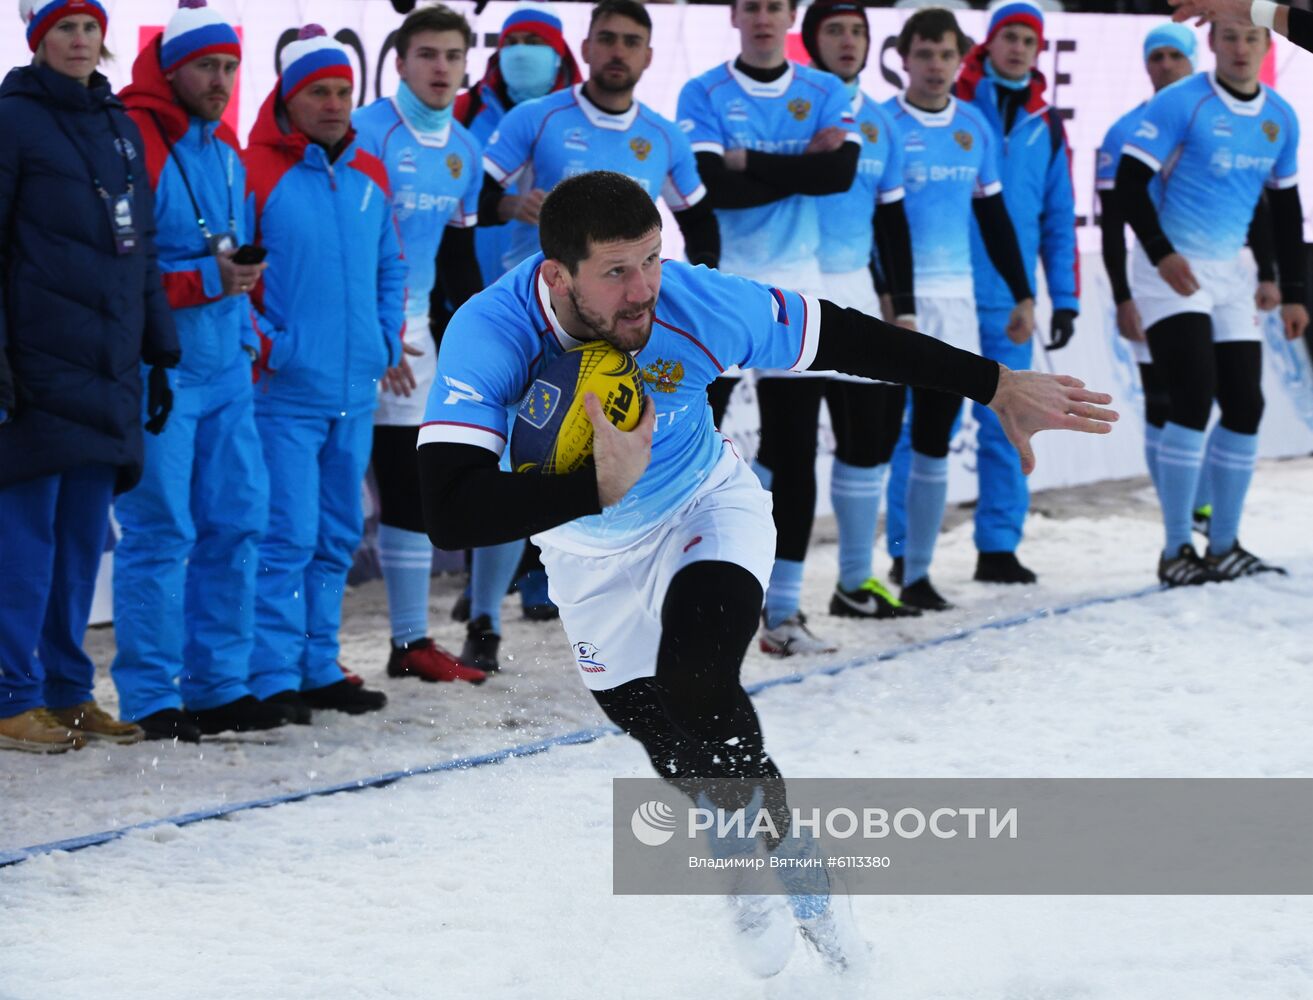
1004 496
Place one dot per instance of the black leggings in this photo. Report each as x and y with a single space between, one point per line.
933 414
1194 371
718 394
790 411
686 716
396 471
866 420
1157 403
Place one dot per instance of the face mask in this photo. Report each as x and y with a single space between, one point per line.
529 70
1002 81
425 120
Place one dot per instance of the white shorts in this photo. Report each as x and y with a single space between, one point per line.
951 320
1139 351
408 411
1226 295
611 605
853 290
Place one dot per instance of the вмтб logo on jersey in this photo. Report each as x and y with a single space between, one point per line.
799 108
963 139
664 376
641 147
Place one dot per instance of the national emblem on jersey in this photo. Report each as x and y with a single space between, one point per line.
963 139
871 132
1271 129
664 376
641 147
800 107
455 165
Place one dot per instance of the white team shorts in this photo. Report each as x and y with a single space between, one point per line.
853 290
1226 294
1139 349
952 320
611 604
408 411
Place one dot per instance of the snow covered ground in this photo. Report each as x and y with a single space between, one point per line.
495 882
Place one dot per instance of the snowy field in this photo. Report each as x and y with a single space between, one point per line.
495 882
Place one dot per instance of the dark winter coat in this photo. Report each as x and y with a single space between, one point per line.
77 319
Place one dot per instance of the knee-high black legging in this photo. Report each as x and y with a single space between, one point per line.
718 394
933 414
1193 371
790 411
396 471
866 419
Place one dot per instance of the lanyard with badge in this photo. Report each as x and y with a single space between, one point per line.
216 242
118 207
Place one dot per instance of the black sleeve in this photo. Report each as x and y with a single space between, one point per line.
894 240
1112 225
458 266
733 188
701 233
857 344
489 199
878 278
1262 240
1133 177
1288 233
469 502
809 173
1300 27
1000 240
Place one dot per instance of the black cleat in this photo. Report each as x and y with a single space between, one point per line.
871 600
342 696
240 716
921 595
481 644
169 724
1002 567
1185 569
896 571
1236 562
292 705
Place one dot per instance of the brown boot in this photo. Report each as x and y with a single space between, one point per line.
95 723
37 731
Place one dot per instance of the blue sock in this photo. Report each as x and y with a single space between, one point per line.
407 560
785 591
1231 458
927 492
1203 496
1180 461
855 495
763 474
491 571
1151 436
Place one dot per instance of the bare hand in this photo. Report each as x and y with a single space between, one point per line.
399 379
237 279
1175 270
1021 322
827 140
736 159
621 457
1030 402
1129 324
522 207
1210 10
1267 296
1294 317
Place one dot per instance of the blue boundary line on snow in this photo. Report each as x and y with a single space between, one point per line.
566 739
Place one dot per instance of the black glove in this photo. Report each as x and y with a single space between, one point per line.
1061 329
159 399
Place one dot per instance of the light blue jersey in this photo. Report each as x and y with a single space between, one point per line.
724 109
542 142
706 320
1214 153
847 233
948 159
1110 152
435 183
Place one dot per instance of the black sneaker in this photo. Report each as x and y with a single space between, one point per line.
343 696
1201 519
1002 567
1185 569
871 600
292 705
921 595
481 643
1234 563
896 571
240 716
169 724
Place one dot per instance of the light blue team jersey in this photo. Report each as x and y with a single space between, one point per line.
1214 154
724 109
500 340
542 142
948 159
847 234
435 183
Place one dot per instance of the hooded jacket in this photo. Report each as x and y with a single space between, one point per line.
78 319
185 153
1035 167
330 307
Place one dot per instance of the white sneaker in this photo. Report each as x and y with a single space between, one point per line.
764 932
834 937
792 637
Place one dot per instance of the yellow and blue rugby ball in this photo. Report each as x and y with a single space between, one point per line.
552 432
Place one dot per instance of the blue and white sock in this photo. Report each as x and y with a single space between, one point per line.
927 493
1151 437
492 569
407 561
1203 496
784 595
855 495
1230 467
1180 462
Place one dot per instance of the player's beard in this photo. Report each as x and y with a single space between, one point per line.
631 340
626 84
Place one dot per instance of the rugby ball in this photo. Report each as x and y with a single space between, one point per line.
552 433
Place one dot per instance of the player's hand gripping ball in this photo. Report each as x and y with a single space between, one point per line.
552 432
